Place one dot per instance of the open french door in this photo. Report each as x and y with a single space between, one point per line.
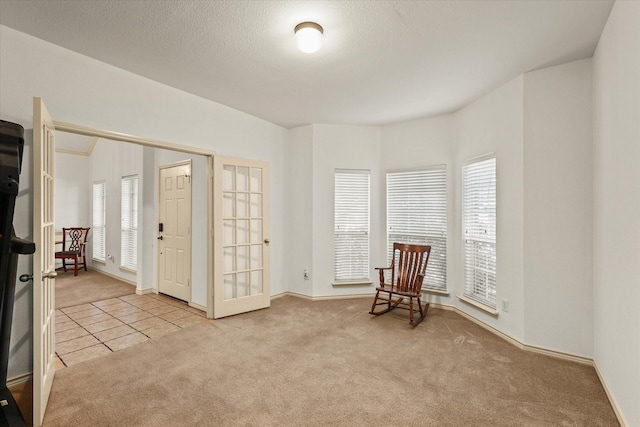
241 254
43 260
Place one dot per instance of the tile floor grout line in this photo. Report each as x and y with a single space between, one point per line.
188 313
56 352
90 333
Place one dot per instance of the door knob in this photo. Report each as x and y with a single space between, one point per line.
49 275
26 277
161 238
266 241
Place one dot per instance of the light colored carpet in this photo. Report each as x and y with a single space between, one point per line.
328 363
88 286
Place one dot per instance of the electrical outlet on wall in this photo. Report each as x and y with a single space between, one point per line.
306 274
505 305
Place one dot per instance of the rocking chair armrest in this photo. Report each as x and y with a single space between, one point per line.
381 271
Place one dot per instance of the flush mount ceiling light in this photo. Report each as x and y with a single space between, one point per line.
308 36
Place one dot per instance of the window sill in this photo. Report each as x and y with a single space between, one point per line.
129 270
435 292
362 283
479 305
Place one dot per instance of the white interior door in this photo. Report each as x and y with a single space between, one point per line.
241 254
43 259
174 232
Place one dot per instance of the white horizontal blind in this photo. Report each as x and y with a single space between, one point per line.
479 212
129 222
99 220
351 227
417 214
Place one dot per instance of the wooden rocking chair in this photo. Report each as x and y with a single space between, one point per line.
408 266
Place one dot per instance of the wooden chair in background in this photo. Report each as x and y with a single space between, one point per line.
74 242
408 266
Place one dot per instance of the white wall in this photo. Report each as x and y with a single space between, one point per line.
110 161
616 204
342 147
315 152
557 208
80 90
72 191
493 124
300 214
147 275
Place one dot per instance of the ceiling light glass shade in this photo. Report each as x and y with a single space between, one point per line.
308 37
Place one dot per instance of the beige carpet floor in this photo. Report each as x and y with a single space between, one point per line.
328 363
88 286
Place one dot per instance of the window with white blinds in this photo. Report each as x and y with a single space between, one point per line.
129 222
99 220
417 214
479 223
351 227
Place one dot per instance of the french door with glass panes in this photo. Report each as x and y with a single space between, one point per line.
43 260
241 255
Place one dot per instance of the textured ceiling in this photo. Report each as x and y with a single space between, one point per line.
382 61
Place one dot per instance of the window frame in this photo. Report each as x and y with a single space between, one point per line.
340 272
479 240
99 229
432 186
129 222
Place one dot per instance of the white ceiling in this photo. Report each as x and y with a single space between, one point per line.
71 143
382 61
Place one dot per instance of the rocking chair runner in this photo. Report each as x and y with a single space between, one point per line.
406 281
74 242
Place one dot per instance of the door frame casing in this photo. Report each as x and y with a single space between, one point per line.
154 143
168 166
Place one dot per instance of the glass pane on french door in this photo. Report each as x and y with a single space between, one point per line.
243 238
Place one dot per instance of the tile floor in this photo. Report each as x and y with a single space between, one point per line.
92 330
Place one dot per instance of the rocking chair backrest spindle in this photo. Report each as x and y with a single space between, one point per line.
411 266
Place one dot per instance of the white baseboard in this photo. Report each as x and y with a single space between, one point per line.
144 291
129 282
531 348
612 401
280 295
584 360
20 379
321 297
480 323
